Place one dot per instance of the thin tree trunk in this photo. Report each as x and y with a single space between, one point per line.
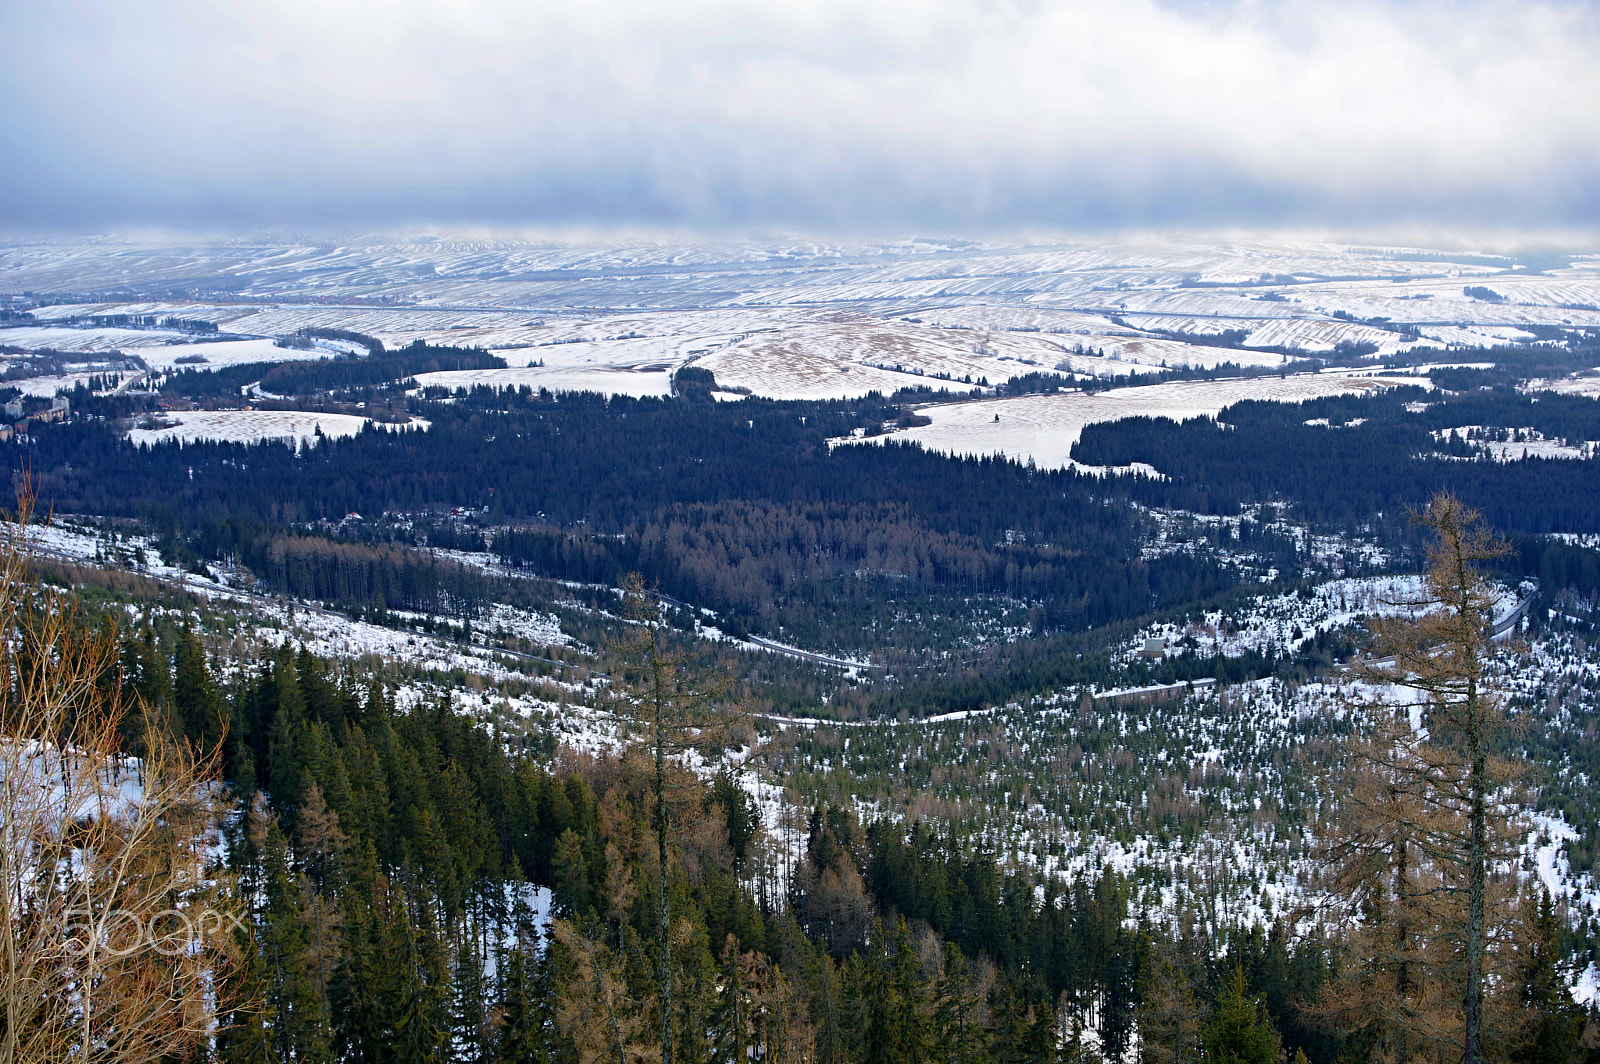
663 901
1477 878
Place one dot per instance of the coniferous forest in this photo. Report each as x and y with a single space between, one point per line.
896 776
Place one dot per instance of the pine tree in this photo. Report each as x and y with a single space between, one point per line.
1551 1024
604 1022
196 704
416 1007
320 844
731 1017
470 1039
525 1031
1417 832
909 1007
960 1009
360 983
296 1017
1239 1031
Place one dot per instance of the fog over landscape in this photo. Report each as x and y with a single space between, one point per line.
965 114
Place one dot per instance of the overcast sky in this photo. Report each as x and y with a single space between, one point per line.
830 114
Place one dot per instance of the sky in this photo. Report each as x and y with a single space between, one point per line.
971 115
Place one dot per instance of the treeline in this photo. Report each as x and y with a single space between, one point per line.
380 577
743 507
146 321
312 376
1349 473
373 345
346 575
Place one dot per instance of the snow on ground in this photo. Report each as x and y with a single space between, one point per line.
807 320
255 426
1004 317
231 353
47 387
325 631
1589 387
1544 848
96 340
634 382
1284 622
1525 443
1146 353
1308 334
1043 428
1474 335
850 358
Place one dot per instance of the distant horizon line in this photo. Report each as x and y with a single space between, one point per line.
1487 241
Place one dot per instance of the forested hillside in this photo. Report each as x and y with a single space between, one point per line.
1086 853
397 866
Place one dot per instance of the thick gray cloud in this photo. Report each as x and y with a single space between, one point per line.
799 112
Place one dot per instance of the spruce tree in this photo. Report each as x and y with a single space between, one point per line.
1239 1031
1551 1024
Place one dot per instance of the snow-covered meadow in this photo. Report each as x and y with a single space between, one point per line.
807 319
294 427
1043 428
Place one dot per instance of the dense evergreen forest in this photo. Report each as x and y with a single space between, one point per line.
745 508
742 507
1373 456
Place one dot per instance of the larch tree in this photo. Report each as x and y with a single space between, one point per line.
1420 831
1170 1015
113 928
670 709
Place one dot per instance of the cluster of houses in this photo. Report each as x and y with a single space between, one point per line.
19 418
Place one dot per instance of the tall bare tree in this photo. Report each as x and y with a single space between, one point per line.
112 929
1419 833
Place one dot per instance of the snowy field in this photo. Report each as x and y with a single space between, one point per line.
1524 443
809 319
47 387
1589 387
233 353
254 426
634 382
160 349
1043 428
86 341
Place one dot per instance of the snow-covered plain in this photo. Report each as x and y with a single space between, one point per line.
47 387
232 353
1588 387
87 341
1043 428
255 426
808 319
634 382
